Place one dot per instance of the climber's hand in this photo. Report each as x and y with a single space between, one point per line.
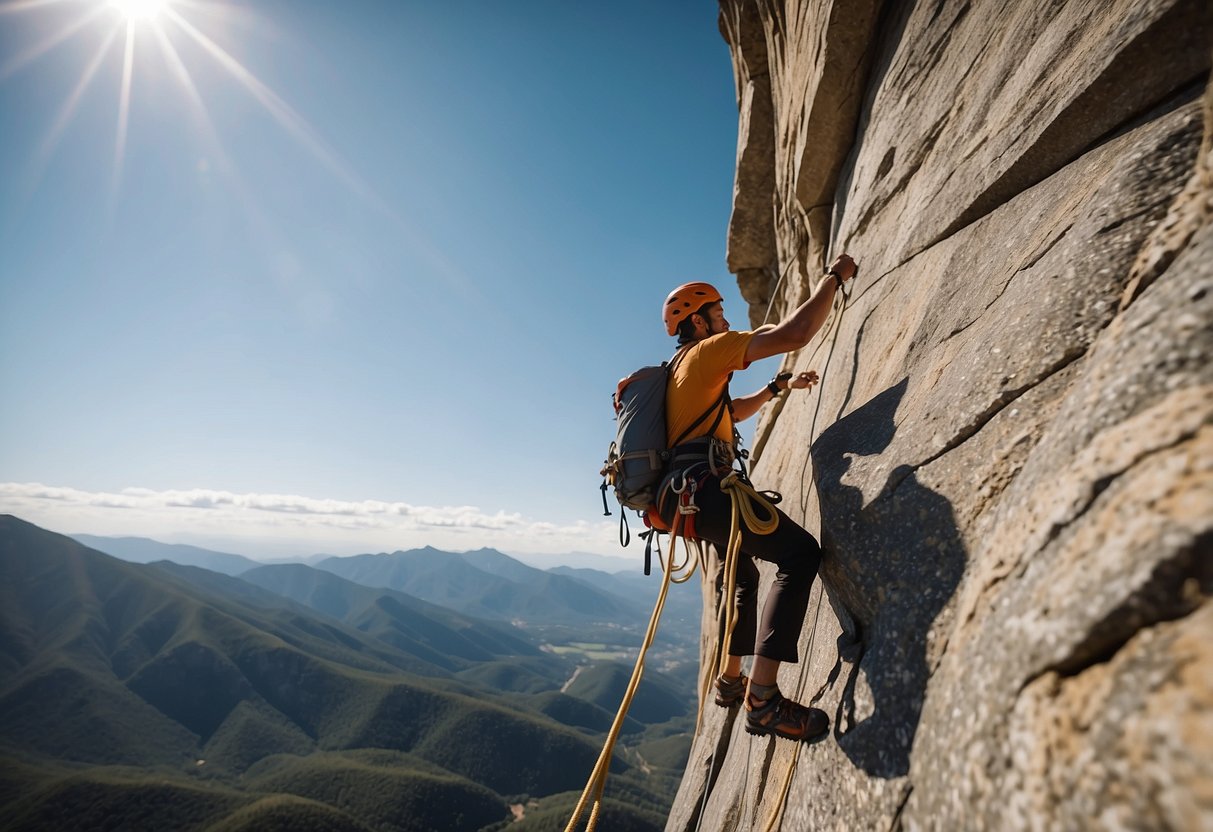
803 381
844 266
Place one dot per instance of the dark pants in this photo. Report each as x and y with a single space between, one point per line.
795 553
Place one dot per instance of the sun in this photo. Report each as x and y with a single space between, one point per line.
139 10
159 25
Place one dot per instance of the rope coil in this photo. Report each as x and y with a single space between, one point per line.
743 497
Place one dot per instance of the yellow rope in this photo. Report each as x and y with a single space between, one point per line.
743 497
777 813
592 793
683 572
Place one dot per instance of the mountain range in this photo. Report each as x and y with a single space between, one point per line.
594 606
145 550
487 584
290 696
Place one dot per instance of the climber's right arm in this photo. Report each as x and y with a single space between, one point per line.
800 327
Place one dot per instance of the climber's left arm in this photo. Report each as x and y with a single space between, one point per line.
747 406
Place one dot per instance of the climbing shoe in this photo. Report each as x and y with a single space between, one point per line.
730 691
781 717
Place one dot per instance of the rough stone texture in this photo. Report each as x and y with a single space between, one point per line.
1010 459
788 155
1191 210
751 244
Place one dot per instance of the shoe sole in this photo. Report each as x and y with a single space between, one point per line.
767 732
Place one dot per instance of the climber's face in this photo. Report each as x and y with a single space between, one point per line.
715 321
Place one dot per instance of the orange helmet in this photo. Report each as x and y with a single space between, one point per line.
685 300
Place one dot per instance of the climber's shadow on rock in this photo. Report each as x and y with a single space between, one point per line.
893 559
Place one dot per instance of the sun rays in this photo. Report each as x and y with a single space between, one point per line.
120 44
122 31
137 10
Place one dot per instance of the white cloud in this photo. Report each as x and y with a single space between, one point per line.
289 522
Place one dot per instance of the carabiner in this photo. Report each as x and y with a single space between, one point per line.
686 497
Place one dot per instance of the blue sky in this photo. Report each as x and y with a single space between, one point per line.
348 276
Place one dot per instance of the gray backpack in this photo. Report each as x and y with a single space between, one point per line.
636 461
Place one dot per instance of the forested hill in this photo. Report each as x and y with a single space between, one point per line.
193 700
486 583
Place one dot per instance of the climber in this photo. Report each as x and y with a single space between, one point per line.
694 313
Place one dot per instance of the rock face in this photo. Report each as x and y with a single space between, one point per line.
1009 461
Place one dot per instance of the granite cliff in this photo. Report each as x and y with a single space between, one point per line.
1010 458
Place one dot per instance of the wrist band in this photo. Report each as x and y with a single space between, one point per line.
774 388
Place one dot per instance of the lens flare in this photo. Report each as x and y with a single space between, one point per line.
137 10
120 25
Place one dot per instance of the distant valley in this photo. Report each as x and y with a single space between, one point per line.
412 690
574 611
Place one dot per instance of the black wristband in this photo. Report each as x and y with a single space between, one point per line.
774 388
837 277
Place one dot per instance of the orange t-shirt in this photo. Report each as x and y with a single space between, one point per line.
698 380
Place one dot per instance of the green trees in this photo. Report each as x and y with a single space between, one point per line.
137 696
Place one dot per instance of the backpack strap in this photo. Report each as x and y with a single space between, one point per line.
724 402
650 536
718 407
